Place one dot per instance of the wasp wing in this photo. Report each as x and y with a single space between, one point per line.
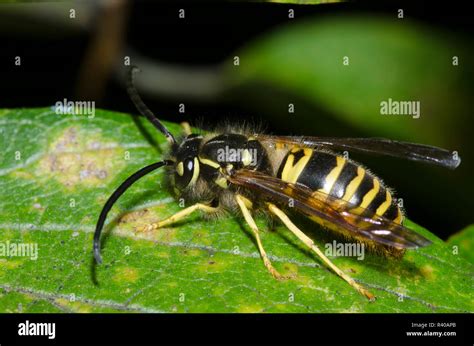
356 220
380 146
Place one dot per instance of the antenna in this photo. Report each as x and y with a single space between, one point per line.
142 107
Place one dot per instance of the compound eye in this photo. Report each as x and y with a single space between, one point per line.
186 172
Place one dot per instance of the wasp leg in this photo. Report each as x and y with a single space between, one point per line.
186 128
241 201
178 216
309 243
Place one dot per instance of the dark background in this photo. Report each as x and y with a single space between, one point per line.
53 63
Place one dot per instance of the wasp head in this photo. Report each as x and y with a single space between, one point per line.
186 166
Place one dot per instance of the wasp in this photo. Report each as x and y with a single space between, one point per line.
237 171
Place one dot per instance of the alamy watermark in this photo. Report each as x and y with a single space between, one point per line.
336 249
12 249
75 107
391 107
246 156
28 328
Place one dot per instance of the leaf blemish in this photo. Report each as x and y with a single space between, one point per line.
126 274
427 272
80 158
291 270
133 216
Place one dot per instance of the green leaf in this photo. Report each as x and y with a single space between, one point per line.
57 171
464 242
345 67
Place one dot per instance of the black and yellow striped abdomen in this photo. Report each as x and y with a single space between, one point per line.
340 178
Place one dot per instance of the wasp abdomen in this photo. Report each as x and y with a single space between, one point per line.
340 178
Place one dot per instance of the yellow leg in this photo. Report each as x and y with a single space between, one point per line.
178 216
250 221
186 128
309 242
